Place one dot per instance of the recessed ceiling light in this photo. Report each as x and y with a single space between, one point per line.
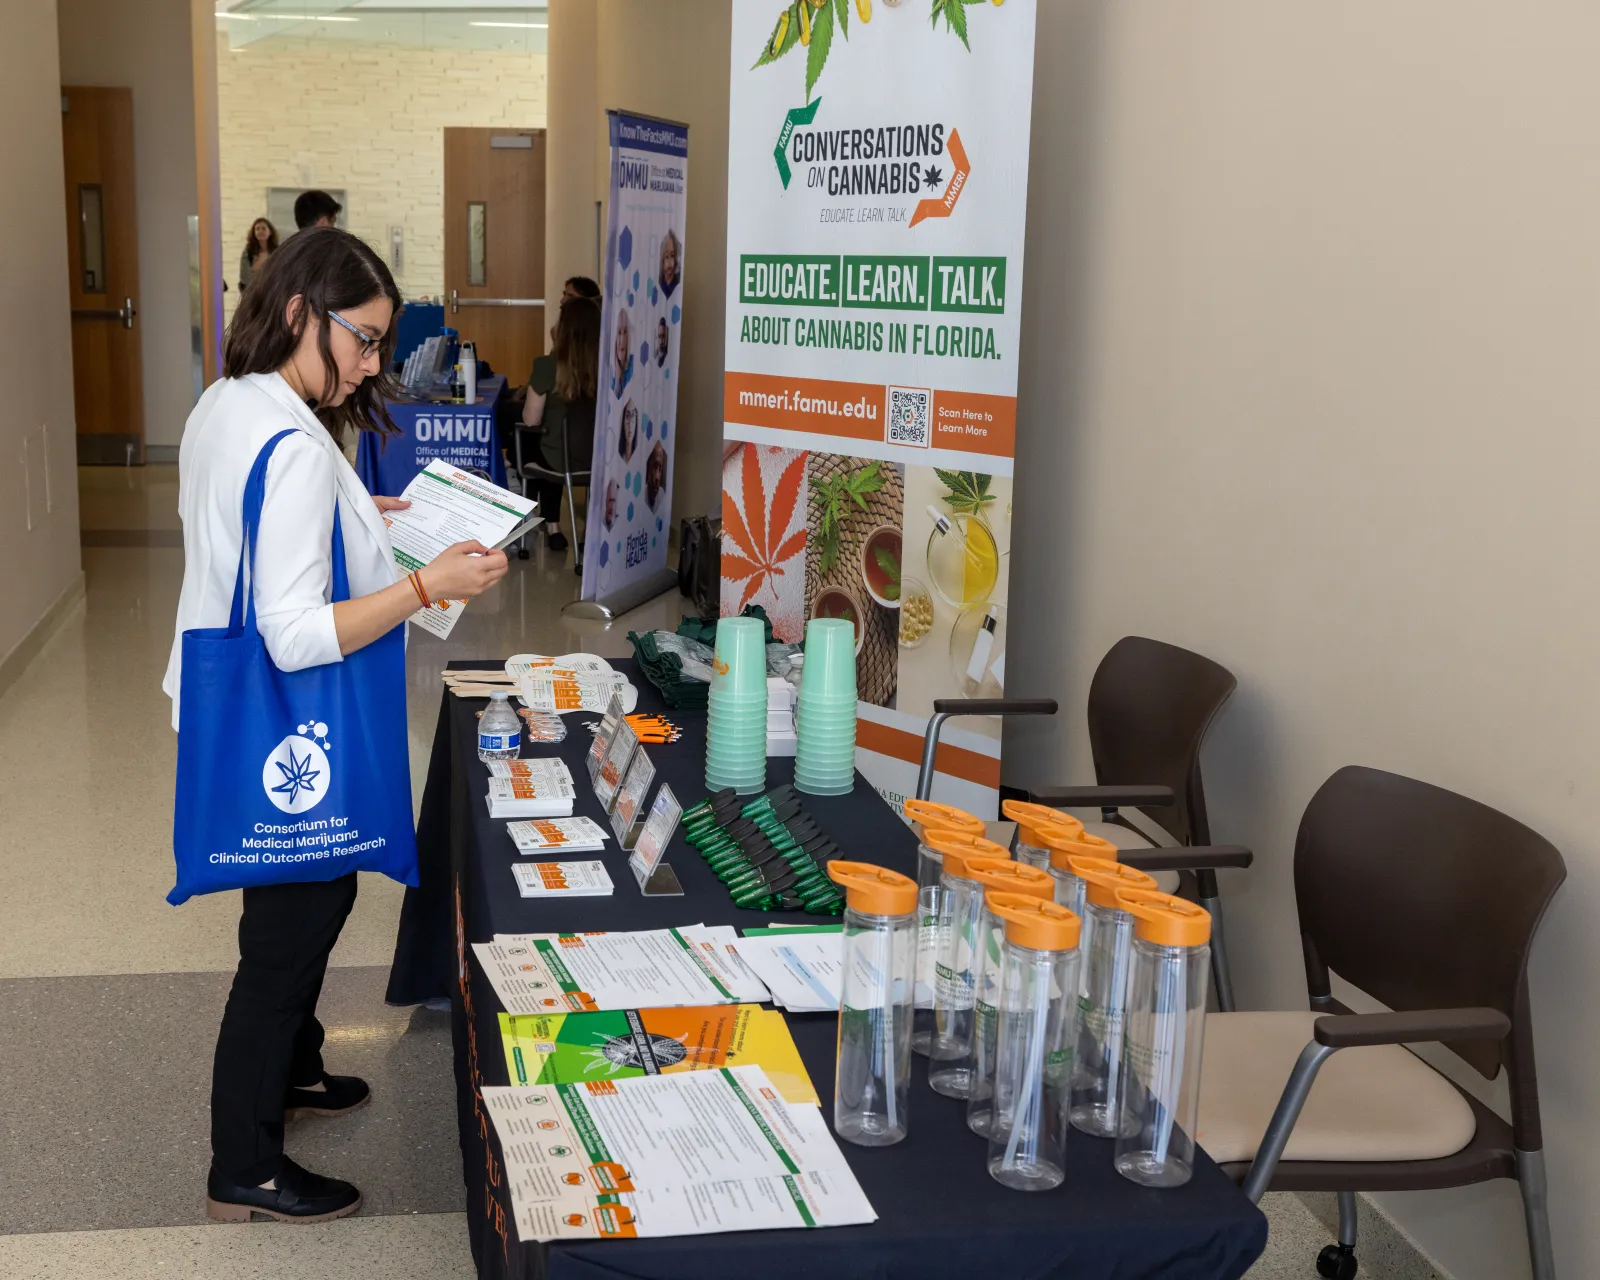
237 17
536 26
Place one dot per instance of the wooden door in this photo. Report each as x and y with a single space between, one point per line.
103 273
494 244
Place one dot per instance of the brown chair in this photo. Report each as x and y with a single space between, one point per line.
1150 705
1428 902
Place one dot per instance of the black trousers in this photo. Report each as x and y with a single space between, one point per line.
271 1040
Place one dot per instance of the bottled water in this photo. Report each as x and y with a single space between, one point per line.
499 730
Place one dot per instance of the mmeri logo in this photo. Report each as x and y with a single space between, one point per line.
296 773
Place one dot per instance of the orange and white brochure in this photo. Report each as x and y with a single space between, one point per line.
557 835
562 879
669 1155
573 973
562 689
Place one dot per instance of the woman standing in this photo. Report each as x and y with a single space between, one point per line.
561 391
259 245
304 361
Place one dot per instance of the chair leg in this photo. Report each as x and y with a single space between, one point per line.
1221 972
1338 1261
1536 1213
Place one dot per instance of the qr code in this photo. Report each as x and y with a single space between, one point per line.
908 416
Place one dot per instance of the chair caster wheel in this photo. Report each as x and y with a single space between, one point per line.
1337 1262
522 553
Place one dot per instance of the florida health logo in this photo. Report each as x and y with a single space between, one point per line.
296 774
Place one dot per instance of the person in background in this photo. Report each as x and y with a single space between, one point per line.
259 245
561 390
580 287
315 209
306 355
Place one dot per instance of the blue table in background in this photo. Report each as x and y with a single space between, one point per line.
464 436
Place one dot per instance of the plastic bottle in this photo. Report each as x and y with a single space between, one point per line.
499 729
953 1007
972 1075
1034 1036
1031 819
1159 1092
872 1071
926 817
1107 942
1064 871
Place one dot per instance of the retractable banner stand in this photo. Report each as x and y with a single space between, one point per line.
630 492
877 181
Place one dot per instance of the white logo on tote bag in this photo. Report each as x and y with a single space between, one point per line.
296 773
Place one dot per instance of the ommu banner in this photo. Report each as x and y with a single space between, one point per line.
877 181
630 490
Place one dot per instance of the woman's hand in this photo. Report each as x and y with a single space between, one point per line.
463 571
389 504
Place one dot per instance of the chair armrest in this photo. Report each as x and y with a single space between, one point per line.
1101 797
1205 857
994 706
1353 1030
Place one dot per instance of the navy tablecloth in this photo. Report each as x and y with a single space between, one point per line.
465 436
939 1212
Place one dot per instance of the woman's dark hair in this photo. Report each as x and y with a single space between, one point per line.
584 287
331 270
577 350
252 246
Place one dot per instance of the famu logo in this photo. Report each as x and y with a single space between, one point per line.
881 160
297 773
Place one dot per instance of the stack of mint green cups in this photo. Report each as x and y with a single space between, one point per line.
825 719
736 725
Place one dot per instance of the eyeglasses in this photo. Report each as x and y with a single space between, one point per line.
369 344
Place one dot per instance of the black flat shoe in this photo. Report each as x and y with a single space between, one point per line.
557 542
300 1196
339 1095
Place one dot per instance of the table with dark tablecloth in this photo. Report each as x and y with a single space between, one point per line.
939 1212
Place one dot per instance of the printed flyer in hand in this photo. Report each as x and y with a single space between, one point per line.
878 167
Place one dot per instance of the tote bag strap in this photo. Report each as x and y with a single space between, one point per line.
242 614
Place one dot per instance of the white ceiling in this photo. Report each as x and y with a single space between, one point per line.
439 24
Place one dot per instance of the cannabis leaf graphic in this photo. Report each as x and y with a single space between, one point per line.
955 17
969 490
298 776
761 539
809 23
891 569
832 495
932 177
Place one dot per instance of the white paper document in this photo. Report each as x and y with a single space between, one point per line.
557 835
562 879
544 791
802 971
681 1154
717 947
450 506
649 969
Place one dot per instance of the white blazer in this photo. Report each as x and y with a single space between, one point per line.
294 559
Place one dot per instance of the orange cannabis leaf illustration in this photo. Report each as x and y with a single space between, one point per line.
760 544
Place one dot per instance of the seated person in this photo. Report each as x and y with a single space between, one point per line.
561 391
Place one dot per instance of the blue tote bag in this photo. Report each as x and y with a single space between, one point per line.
288 775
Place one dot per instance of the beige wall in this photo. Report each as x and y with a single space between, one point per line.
367 118
145 47
1311 318
669 61
38 482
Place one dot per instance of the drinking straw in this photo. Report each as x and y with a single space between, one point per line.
1034 1074
1170 1010
1116 998
886 1024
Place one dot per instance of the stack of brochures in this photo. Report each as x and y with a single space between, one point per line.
562 879
558 835
544 791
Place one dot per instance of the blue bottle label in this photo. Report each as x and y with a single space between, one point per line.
500 741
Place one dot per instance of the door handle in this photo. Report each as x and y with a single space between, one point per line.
457 302
124 313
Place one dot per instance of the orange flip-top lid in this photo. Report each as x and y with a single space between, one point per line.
1165 920
1002 875
1035 922
1102 878
928 816
955 847
1083 845
1034 819
874 890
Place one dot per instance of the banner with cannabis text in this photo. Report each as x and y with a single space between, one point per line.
877 181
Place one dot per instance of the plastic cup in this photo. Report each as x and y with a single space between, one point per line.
830 666
813 787
740 661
